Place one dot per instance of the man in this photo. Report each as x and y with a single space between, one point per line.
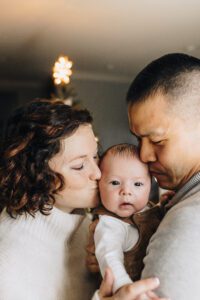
164 114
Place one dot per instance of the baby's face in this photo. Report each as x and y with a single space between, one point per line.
124 185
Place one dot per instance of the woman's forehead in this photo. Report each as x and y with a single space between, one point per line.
81 143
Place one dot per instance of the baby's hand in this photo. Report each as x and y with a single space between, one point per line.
166 196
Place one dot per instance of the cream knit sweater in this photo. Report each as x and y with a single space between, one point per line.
43 258
173 252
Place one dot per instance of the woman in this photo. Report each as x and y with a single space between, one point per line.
48 172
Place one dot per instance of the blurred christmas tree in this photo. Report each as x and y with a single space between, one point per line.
63 91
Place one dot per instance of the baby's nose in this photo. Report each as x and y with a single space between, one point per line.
126 190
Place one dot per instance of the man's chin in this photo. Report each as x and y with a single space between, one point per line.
165 185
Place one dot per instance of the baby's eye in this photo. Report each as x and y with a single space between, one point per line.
115 182
138 183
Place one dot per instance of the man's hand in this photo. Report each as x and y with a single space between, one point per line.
139 290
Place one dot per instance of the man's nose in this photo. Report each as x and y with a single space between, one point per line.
147 152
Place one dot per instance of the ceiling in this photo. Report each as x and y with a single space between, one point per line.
106 39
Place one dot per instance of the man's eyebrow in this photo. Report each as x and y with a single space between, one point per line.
151 133
139 136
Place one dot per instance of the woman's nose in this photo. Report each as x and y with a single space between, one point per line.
95 172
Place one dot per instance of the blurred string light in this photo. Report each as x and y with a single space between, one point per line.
61 78
62 70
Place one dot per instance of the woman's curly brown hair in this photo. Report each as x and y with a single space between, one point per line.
33 136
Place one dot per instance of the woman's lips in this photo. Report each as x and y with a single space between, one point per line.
94 187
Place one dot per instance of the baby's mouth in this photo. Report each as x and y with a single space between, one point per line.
126 205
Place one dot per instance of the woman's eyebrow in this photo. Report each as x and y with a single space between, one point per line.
77 157
82 156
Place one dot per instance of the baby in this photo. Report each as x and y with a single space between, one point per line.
122 232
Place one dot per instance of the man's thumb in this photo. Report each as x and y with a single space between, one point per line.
107 284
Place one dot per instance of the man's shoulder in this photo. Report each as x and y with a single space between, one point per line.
190 204
173 251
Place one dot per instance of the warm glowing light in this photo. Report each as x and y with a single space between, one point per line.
57 81
62 70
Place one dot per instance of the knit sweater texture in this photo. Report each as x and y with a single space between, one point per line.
173 251
42 258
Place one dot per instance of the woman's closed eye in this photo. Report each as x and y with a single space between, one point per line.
78 168
96 158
